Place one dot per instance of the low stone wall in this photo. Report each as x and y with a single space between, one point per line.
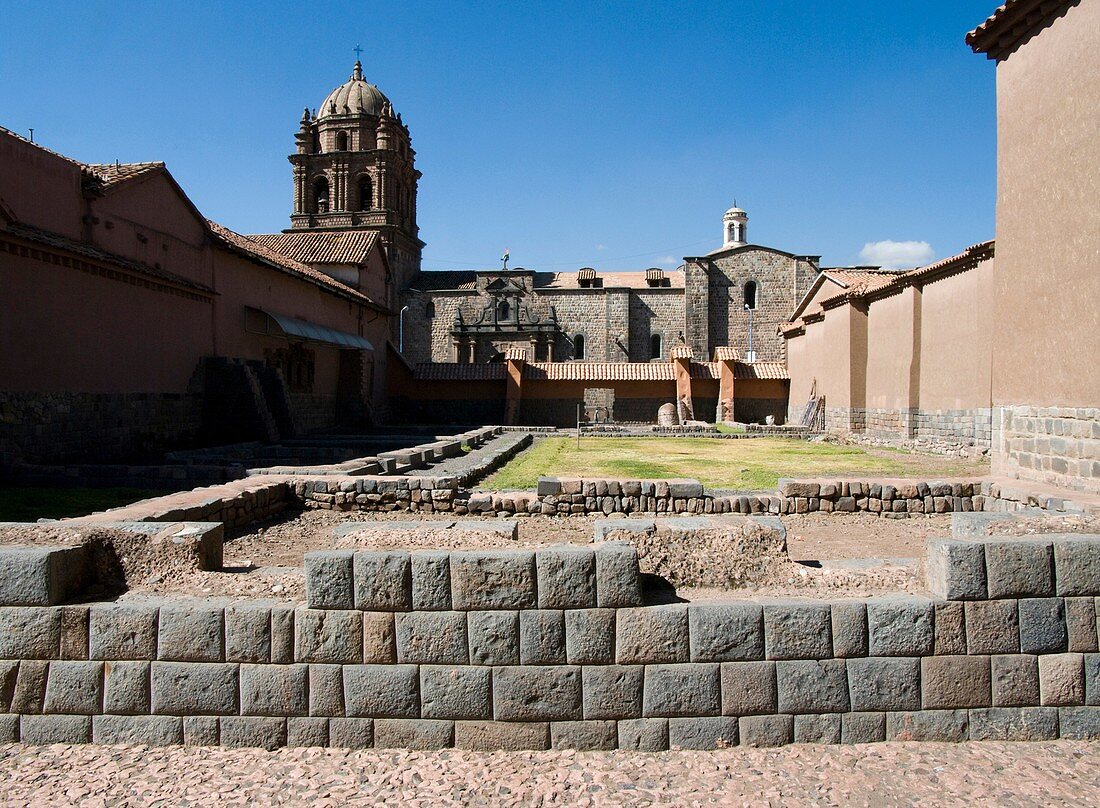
964 427
1055 445
533 650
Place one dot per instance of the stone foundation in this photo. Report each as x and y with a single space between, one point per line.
1055 445
970 427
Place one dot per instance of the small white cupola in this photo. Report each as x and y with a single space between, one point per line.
735 227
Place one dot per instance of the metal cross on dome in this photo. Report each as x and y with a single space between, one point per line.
358 52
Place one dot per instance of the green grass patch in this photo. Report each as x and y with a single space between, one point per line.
30 504
755 464
726 429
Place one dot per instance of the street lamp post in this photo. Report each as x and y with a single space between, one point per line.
401 330
752 353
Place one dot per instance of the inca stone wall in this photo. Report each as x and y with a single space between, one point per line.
1057 445
556 649
971 427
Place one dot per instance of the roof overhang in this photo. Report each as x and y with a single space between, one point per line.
261 321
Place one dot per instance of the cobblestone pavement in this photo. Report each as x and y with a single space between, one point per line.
894 774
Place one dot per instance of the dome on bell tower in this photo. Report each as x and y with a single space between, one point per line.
356 96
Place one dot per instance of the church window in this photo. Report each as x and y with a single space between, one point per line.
365 193
542 352
503 310
750 295
429 310
578 346
655 351
341 141
732 237
320 195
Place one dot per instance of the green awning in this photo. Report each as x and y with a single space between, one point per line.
292 328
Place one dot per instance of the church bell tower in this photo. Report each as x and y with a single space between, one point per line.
354 170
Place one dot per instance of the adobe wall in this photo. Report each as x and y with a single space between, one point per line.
1046 390
557 648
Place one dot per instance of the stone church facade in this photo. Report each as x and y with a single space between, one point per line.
589 315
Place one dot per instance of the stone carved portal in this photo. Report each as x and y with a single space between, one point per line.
599 405
505 320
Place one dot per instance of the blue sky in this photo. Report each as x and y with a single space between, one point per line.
573 133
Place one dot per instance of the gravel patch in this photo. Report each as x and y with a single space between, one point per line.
892 774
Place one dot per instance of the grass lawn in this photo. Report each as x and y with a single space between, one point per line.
755 464
29 504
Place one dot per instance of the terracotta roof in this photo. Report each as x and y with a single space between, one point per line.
259 252
111 174
601 371
706 370
50 239
517 354
727 353
455 372
760 370
681 352
320 247
967 259
1013 24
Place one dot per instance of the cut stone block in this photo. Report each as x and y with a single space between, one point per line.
584 736
491 580
126 688
881 684
247 634
431 581
1019 568
590 636
1014 724
928 725
542 637
818 728
949 625
274 690
351 733
456 692
618 583
379 638
122 632
382 691
849 626
1077 565
43 730
494 637
42 576
992 627
900 626
953 682
1042 625
305 732
862 727
491 736
143 730
652 634
30 686
383 581
749 688
327 635
1081 625
200 730
550 693
330 579
252 732
726 633
612 691
190 634
798 631
566 578
1079 723
1015 680
1061 680
432 638
74 688
812 686
282 635
194 688
326 690
74 632
643 735
29 632
1092 679
766 730
413 733
718 732
956 569
692 689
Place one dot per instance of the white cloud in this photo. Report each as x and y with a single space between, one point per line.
601 247
897 254
668 260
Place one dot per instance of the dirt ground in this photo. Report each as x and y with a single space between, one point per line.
976 773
